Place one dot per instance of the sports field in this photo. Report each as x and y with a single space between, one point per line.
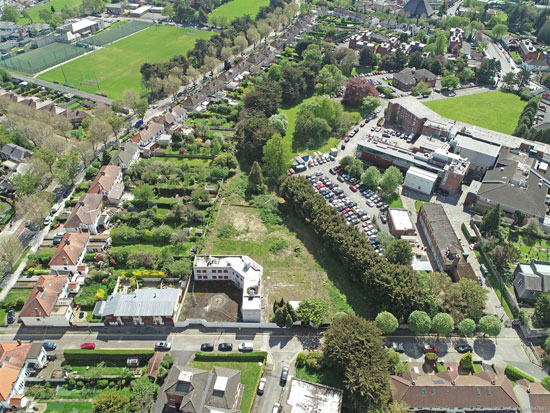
493 110
239 8
42 58
57 5
115 68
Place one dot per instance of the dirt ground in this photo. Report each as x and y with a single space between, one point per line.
212 301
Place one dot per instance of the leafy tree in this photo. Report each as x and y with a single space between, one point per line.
399 252
449 82
252 134
371 178
546 383
111 402
330 79
523 77
352 166
503 255
143 195
369 105
279 122
283 314
117 124
367 58
275 159
490 224
265 98
509 79
144 393
256 184
24 184
467 361
419 322
391 179
46 155
313 310
464 299
415 60
490 325
353 346
487 70
467 326
66 167
542 309
499 30
10 250
386 322
421 88
443 323
356 90
442 11
9 13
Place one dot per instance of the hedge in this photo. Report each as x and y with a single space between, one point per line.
116 357
257 356
515 374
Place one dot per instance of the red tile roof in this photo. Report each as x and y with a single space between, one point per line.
70 248
44 295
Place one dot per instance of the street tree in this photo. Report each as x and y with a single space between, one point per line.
10 250
443 323
391 179
47 155
24 184
490 325
371 178
509 79
467 326
370 103
66 168
523 77
117 124
313 310
275 159
34 208
386 322
419 322
450 82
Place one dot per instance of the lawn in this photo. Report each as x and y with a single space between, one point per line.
238 8
115 68
394 201
92 371
16 296
250 375
326 376
69 407
291 112
481 109
418 204
56 4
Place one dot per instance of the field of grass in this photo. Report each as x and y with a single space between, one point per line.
238 8
250 374
326 376
480 109
14 296
115 68
56 4
69 407
291 112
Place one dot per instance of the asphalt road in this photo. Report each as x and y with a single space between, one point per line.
62 89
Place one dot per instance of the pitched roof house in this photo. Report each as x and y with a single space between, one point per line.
532 397
532 279
192 390
408 78
69 253
148 135
16 359
451 391
85 215
418 8
108 182
48 304
14 153
126 155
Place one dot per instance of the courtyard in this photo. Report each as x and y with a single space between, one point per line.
212 301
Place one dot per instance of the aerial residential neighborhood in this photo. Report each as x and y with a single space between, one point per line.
274 206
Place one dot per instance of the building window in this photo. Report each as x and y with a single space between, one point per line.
214 277
225 271
225 277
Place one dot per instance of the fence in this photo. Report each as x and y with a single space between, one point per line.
43 58
116 33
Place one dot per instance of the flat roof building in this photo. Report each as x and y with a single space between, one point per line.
420 180
244 272
307 397
400 222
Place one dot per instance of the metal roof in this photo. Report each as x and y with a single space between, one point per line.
143 303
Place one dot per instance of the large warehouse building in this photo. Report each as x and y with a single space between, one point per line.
420 180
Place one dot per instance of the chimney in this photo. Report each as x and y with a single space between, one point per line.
102 173
40 288
67 241
81 203
528 387
453 382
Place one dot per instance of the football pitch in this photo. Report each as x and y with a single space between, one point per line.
239 8
56 4
115 68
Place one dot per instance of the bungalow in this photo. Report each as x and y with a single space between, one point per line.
48 303
148 135
108 182
69 254
85 215
17 362
126 155
14 153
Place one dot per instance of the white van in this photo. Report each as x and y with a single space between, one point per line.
246 346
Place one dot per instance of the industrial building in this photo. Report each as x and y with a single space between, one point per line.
420 180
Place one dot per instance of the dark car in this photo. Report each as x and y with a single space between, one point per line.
428 348
11 317
51 357
225 347
49 346
398 347
207 347
284 374
464 348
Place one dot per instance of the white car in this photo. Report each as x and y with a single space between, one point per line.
47 220
162 345
55 208
261 386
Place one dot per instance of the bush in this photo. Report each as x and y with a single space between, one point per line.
71 383
102 383
431 358
515 374
256 356
546 383
314 360
301 360
79 384
116 357
167 361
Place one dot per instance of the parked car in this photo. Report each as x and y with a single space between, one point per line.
428 348
276 408
225 347
162 345
246 347
284 374
47 220
87 346
464 348
51 357
11 317
483 269
49 346
261 386
451 369
398 347
207 347
480 280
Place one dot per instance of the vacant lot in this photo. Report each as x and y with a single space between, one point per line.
494 110
239 8
296 265
115 68
56 4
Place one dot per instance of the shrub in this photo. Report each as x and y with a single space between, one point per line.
301 360
102 383
77 357
515 374
162 372
431 358
79 384
546 383
314 360
467 361
72 383
167 361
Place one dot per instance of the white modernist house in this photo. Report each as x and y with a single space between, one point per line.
420 180
244 272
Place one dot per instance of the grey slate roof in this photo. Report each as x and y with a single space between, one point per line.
418 8
14 152
142 303
125 154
